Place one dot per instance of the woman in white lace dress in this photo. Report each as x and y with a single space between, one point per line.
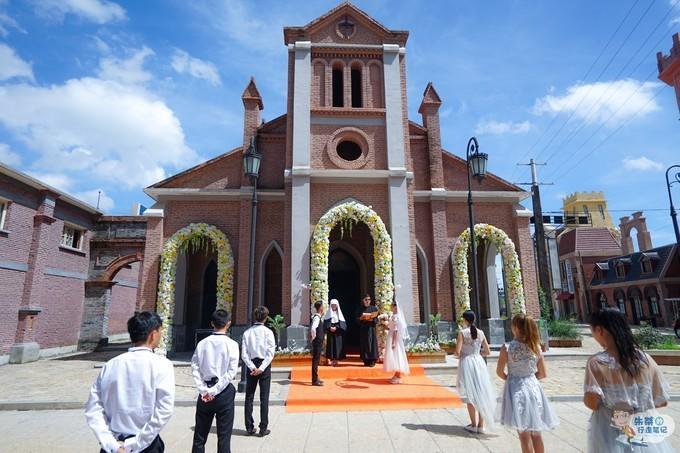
473 381
525 406
621 382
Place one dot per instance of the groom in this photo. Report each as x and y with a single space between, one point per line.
368 340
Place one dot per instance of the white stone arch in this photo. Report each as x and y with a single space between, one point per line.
425 278
273 245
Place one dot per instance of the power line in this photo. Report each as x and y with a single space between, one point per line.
592 66
590 86
597 104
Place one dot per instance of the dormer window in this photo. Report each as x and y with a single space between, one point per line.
620 270
646 265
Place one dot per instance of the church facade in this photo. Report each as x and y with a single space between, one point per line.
354 199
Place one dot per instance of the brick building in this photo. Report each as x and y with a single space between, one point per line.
345 137
45 250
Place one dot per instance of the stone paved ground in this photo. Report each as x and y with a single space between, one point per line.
436 430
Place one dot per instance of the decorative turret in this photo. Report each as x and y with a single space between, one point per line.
669 66
252 104
429 109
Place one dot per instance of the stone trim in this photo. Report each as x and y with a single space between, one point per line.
351 134
126 283
14 266
348 120
477 195
64 273
215 194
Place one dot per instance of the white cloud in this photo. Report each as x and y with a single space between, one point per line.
642 163
126 71
6 22
11 65
596 103
8 157
97 129
97 11
501 127
183 63
90 197
56 180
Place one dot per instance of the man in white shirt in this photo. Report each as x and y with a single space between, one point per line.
213 367
257 351
133 397
317 334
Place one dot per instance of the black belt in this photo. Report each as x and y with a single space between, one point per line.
212 382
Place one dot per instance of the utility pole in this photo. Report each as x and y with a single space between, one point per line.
539 231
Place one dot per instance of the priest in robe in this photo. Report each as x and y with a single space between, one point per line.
335 327
367 316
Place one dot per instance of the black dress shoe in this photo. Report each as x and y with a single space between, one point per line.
263 432
318 383
251 432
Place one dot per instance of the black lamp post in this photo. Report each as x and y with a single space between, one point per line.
251 168
674 215
476 166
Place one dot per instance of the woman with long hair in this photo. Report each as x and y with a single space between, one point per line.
525 407
620 382
473 381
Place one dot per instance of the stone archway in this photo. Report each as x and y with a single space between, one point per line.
195 236
511 268
346 214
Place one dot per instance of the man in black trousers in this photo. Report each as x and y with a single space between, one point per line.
317 334
257 352
213 367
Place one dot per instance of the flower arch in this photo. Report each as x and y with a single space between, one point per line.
347 214
513 274
194 235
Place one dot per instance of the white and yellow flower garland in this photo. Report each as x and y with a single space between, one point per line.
513 274
382 252
166 283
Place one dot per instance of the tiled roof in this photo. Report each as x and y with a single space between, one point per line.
659 257
596 239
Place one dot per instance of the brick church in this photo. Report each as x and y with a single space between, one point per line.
345 140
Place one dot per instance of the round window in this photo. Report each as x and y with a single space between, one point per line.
349 150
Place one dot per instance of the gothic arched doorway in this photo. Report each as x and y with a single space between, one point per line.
344 284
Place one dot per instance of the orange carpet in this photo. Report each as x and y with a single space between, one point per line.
352 387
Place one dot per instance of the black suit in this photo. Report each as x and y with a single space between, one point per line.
317 346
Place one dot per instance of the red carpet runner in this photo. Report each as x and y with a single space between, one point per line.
356 388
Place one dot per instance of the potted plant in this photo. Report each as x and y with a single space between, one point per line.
425 352
277 324
448 346
664 349
563 334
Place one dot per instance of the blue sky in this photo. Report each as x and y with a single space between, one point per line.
113 96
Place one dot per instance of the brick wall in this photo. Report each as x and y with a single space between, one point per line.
123 299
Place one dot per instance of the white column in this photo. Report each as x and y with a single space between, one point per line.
398 196
300 202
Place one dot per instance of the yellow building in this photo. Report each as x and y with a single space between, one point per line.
588 204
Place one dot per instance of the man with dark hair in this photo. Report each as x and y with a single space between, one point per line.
257 351
213 367
316 332
133 397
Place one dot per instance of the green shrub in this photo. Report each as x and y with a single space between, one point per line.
648 336
434 325
562 328
668 343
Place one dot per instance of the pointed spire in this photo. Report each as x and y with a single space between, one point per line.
430 98
251 93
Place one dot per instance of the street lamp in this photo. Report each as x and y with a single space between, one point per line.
251 168
476 166
674 215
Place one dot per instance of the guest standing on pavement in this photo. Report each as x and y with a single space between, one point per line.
622 379
133 397
316 333
334 325
473 375
368 339
213 367
257 351
525 406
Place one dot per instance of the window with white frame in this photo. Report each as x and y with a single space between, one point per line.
4 204
654 305
646 265
72 237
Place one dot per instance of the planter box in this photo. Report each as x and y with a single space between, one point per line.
564 343
426 357
291 360
448 348
665 357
